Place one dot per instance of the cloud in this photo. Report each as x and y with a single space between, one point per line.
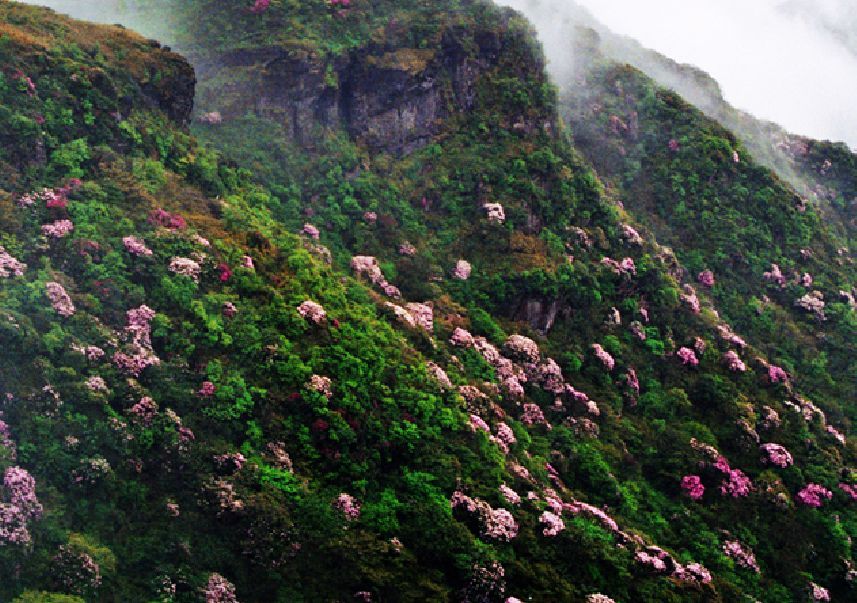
793 62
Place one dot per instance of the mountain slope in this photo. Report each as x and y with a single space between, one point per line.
511 392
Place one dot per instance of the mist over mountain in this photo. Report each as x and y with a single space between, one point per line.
793 62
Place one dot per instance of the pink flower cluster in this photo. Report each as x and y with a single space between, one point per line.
368 266
58 229
144 411
76 571
552 523
96 384
522 348
260 6
533 415
602 355
161 217
322 385
734 362
625 267
743 557
818 593
775 276
423 315
138 335
687 356
777 375
439 375
598 598
692 486
631 236
53 198
499 524
689 297
706 278
9 266
775 454
212 118
348 505
312 312
60 301
462 270
494 212
136 246
736 483
185 267
22 507
509 495
311 231
850 490
207 389
813 495
219 590
407 250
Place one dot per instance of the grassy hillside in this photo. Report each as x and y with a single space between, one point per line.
461 371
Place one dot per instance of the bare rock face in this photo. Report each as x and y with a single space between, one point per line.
539 313
392 100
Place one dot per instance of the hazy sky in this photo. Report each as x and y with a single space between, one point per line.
793 62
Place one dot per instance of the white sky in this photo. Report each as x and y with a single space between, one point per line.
777 64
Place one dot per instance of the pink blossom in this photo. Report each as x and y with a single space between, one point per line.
602 355
775 454
406 249
461 338
837 435
654 561
135 246
631 236
522 348
9 266
742 556
322 385
494 212
22 507
423 315
229 309
687 357
850 490
706 278
553 523
225 273
632 380
60 301
673 145
219 590
312 312
532 415
505 434
692 486
478 424
500 524
775 276
247 262
806 280
736 483
185 267
58 229
370 217
462 270
231 461
144 411
207 389
598 598
348 505
777 374
689 297
439 375
164 218
734 362
813 495
311 231
692 572
509 495
96 384
818 593
636 327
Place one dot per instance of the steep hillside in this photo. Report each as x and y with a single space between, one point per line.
394 340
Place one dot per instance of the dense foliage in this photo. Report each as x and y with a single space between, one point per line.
471 372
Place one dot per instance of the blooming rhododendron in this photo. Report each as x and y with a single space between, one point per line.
494 212
348 505
76 571
509 495
9 266
522 348
439 375
850 490
60 301
631 236
812 302
602 355
219 590
312 311
742 556
775 276
734 362
775 454
423 315
164 218
96 384
706 278
310 231
532 415
692 486
598 598
777 374
736 483
407 250
322 385
478 424
462 270
185 267
552 523
58 229
135 246
689 297
500 524
818 593
687 356
22 506
813 495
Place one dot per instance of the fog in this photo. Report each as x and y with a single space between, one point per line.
793 62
